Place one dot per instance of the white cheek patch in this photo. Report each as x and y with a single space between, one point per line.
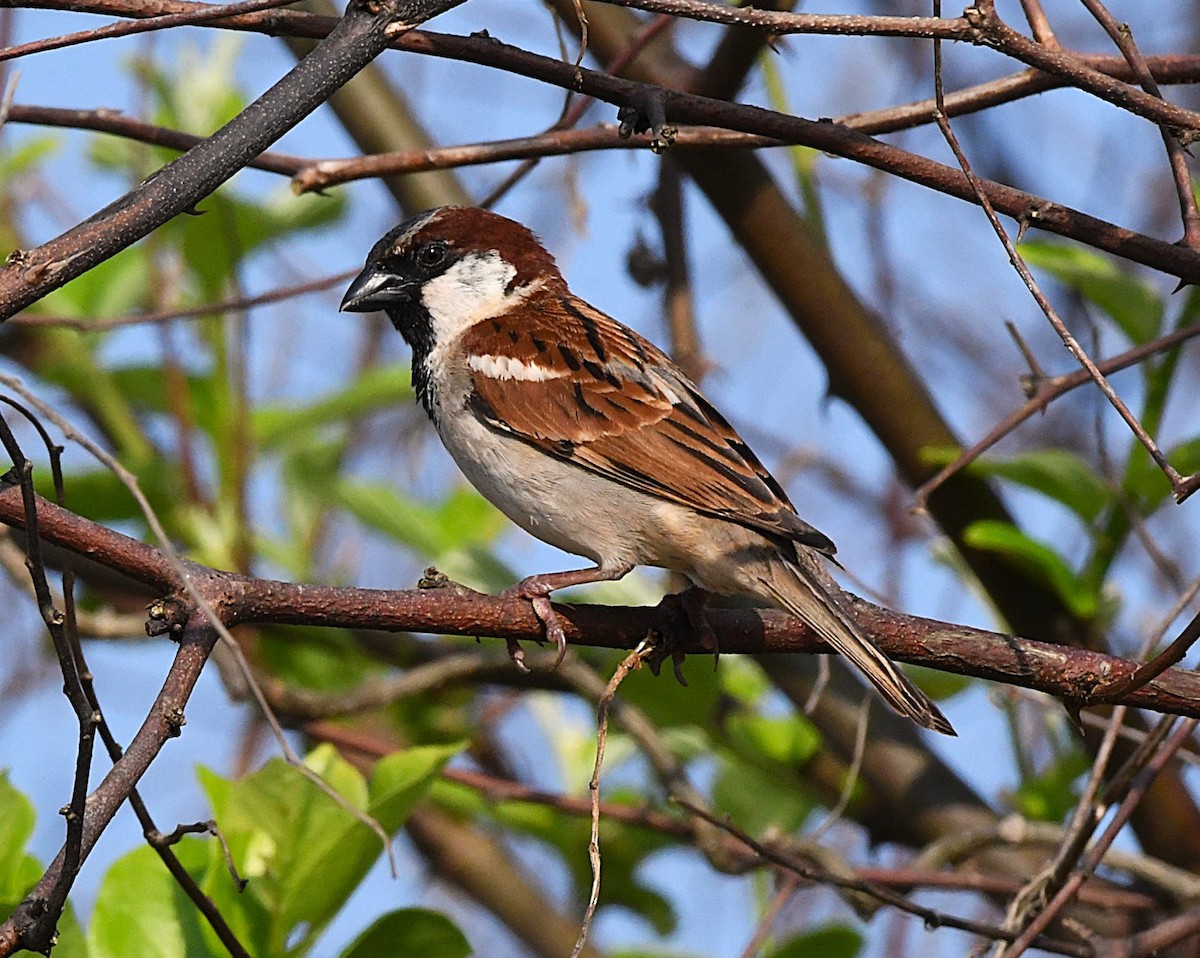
506 367
473 289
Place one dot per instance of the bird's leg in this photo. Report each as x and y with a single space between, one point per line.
537 589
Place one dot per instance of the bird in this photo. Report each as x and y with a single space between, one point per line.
589 437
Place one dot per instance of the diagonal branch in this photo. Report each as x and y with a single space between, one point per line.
358 38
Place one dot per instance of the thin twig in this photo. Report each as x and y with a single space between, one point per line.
780 22
1122 36
128 27
1095 854
85 715
783 894
1039 24
193 312
574 113
631 663
1177 481
932 917
1047 392
852 773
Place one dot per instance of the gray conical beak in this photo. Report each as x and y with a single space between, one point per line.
375 288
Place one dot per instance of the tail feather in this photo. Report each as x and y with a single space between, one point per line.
825 615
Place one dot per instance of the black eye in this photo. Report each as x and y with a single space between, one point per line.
432 254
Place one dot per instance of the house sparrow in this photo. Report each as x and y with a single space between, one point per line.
591 438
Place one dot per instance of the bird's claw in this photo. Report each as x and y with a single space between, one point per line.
690 606
551 621
517 654
682 618
552 624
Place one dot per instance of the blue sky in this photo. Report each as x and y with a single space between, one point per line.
950 273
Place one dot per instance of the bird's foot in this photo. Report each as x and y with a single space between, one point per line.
690 605
537 590
683 618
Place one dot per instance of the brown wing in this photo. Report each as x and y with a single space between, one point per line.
582 387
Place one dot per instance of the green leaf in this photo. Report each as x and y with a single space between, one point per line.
1059 474
1133 305
401 779
113 287
16 823
195 90
17 159
452 534
743 680
383 387
409 932
1052 794
1144 481
102 497
232 228
759 798
832 941
789 740
936 684
141 910
667 703
1006 539
624 847
18 871
330 660
303 852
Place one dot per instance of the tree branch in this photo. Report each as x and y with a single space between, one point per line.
356 40
1076 675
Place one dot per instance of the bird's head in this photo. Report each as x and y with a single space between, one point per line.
449 268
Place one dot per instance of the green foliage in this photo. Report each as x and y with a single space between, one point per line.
671 705
20 871
1039 559
1133 305
760 759
141 909
25 158
832 941
788 740
804 159
381 388
408 932
232 228
1058 474
1106 508
624 847
1050 795
758 797
302 852
453 534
